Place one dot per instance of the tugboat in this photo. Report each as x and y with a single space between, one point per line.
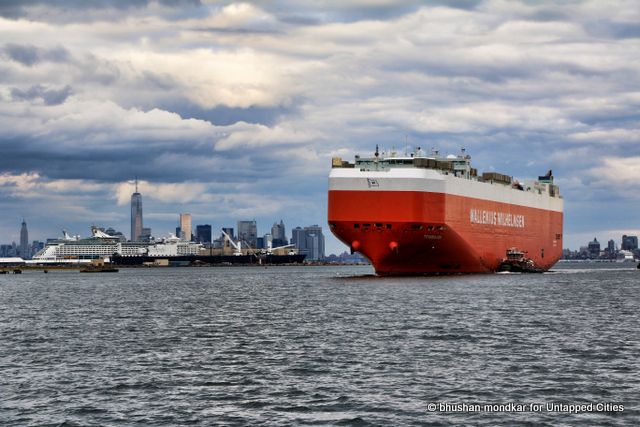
517 262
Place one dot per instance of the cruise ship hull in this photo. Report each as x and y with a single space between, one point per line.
408 229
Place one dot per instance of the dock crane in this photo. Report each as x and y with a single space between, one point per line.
270 249
236 246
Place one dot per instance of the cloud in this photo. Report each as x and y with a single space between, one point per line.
168 193
236 108
48 96
240 17
30 55
619 173
66 10
608 136
256 136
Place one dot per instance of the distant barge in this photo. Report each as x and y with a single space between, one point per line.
186 260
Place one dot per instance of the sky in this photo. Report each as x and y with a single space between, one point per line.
232 111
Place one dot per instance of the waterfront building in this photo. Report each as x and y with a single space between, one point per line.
298 238
629 243
611 249
185 227
268 240
203 233
594 248
25 253
229 231
279 235
136 215
8 251
248 233
146 234
36 246
309 241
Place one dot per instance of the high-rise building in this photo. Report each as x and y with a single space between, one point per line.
315 243
203 233
25 253
145 236
248 233
36 246
5 251
594 248
229 231
309 241
185 227
629 243
267 240
278 234
136 215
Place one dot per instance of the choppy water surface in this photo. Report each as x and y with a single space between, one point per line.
316 345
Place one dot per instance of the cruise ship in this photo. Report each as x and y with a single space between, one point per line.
73 249
427 214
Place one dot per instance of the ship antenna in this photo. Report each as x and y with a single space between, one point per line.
377 153
136 183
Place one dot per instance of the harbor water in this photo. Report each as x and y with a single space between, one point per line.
320 346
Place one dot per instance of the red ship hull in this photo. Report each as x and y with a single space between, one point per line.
417 232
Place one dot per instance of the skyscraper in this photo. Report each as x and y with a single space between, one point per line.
315 242
24 241
203 233
278 234
136 215
248 233
185 227
629 243
309 241
594 248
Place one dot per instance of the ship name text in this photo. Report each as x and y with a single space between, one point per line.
504 219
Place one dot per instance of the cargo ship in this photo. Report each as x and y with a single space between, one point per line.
424 213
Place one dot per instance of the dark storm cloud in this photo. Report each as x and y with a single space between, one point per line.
49 96
30 55
102 164
288 11
20 8
548 15
615 30
225 116
313 13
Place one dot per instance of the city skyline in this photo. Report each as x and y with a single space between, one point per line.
622 242
233 110
248 232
